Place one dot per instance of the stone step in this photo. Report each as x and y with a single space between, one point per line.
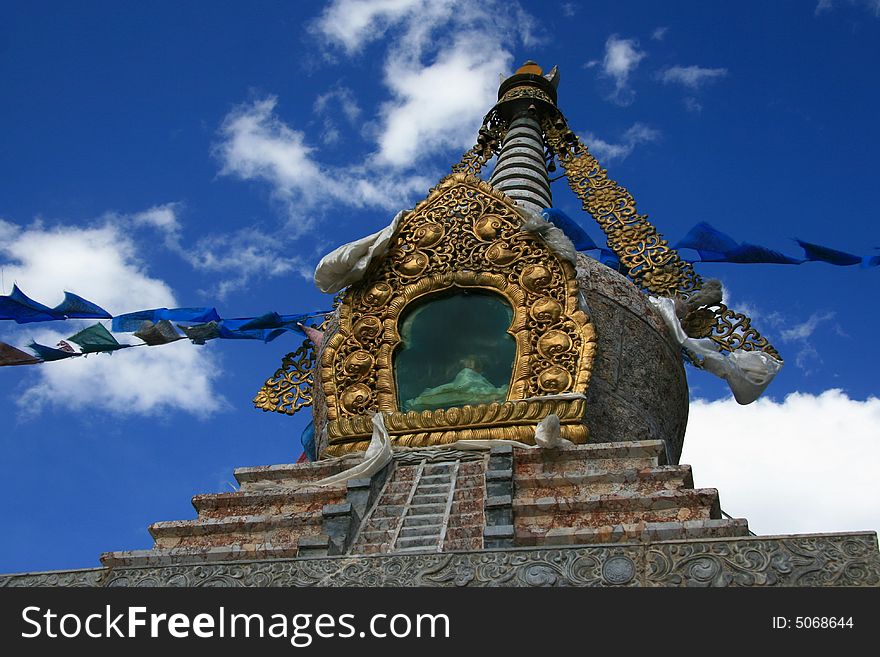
375 535
177 556
388 511
464 544
422 499
427 509
288 474
420 530
466 531
586 458
290 502
431 469
469 481
234 530
465 494
397 499
640 531
416 542
432 489
436 479
634 480
377 524
619 503
423 520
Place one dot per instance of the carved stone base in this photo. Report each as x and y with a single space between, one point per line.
794 560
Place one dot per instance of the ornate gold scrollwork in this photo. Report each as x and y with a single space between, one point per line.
526 92
489 139
465 235
651 263
290 388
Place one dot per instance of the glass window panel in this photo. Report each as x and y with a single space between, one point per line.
455 351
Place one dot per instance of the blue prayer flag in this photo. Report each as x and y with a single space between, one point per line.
75 307
23 309
131 322
50 353
308 442
824 254
578 236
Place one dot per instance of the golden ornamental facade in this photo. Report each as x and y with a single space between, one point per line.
464 236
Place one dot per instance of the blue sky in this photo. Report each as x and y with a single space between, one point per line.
195 154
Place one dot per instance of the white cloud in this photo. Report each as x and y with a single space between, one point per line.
354 23
98 263
440 86
605 151
160 217
439 90
568 9
692 77
258 145
622 56
806 329
243 254
338 100
691 104
139 381
439 106
800 465
659 33
247 254
101 264
341 97
827 5
800 334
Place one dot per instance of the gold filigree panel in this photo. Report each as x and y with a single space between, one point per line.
650 261
290 388
464 235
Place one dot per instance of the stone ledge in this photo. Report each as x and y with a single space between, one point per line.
795 560
621 450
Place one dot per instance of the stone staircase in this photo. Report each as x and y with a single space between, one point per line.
267 517
426 507
436 501
611 492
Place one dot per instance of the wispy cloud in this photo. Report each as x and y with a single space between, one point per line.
568 9
438 90
607 151
622 57
692 77
691 104
806 329
339 100
800 334
257 145
823 6
659 33
778 441
342 98
102 263
439 87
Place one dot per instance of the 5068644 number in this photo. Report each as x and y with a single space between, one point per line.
823 622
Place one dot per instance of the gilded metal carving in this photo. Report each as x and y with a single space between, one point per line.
488 144
650 262
728 328
526 92
290 388
465 235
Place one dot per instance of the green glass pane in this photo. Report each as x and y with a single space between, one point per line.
456 351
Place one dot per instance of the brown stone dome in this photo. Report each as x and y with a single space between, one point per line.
638 389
